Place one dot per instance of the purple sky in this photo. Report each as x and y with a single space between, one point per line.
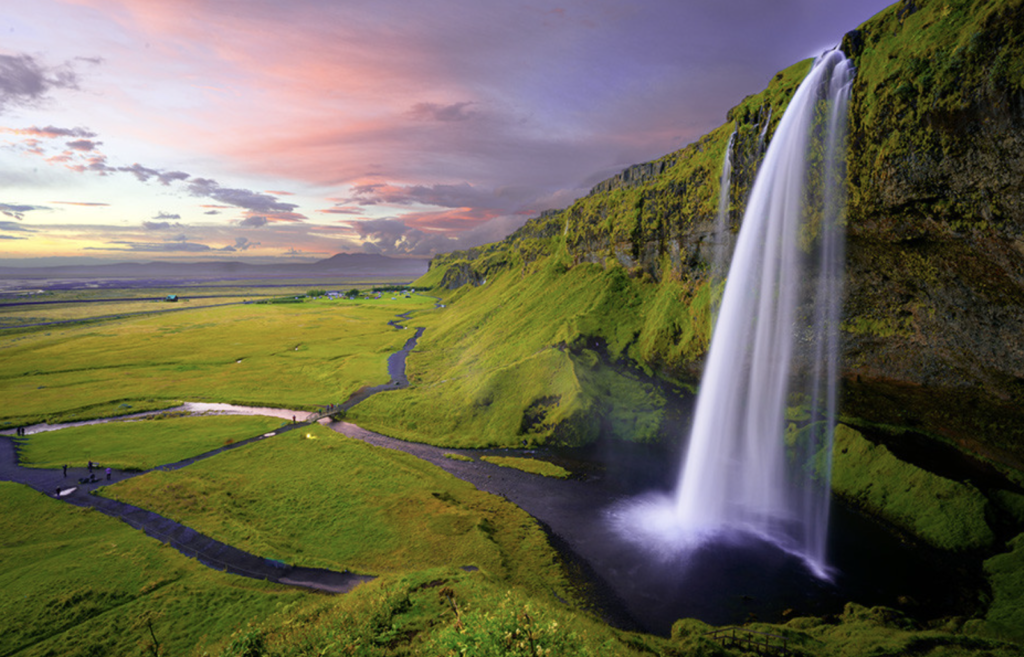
259 129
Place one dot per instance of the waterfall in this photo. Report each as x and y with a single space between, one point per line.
736 473
746 470
764 132
720 253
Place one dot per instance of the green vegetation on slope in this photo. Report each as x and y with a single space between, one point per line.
946 514
1005 573
547 333
140 444
78 583
441 611
858 632
923 76
299 356
530 359
317 498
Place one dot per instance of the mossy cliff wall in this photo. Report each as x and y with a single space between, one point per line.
934 306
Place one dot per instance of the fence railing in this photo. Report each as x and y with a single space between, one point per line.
761 643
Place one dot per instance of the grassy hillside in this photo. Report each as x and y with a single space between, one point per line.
79 583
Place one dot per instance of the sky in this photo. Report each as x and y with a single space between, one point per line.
271 130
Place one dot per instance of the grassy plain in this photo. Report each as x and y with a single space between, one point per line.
331 501
78 583
140 444
22 316
298 356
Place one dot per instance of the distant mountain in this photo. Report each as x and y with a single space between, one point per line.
349 265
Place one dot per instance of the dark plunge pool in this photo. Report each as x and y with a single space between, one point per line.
733 580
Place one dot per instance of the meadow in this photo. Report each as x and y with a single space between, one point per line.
316 498
299 356
140 444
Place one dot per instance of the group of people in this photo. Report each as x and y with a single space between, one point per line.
91 479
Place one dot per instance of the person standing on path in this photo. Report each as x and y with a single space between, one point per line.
65 471
108 474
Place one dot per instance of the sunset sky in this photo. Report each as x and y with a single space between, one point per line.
269 129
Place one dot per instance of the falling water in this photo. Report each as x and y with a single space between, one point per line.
781 303
764 132
736 473
720 253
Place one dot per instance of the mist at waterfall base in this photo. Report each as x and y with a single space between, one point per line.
748 479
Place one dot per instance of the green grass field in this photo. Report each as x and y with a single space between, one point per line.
140 444
296 356
77 312
78 583
331 501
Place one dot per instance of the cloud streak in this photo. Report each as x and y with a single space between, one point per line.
26 81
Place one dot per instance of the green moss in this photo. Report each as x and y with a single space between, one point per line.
1005 573
943 513
530 465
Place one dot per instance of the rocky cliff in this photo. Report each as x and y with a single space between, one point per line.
934 306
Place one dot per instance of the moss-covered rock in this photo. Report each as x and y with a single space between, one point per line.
1005 573
943 513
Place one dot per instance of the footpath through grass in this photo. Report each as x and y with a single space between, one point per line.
140 444
330 501
295 356
78 583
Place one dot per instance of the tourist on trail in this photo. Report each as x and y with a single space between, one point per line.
65 471
108 474
90 466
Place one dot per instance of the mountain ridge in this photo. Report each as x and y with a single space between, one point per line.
361 265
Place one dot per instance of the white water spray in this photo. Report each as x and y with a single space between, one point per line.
738 475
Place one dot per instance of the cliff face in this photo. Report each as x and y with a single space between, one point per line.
934 307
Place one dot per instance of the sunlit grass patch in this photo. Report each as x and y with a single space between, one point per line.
76 582
533 466
140 444
297 356
458 457
339 503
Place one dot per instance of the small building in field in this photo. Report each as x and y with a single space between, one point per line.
171 297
